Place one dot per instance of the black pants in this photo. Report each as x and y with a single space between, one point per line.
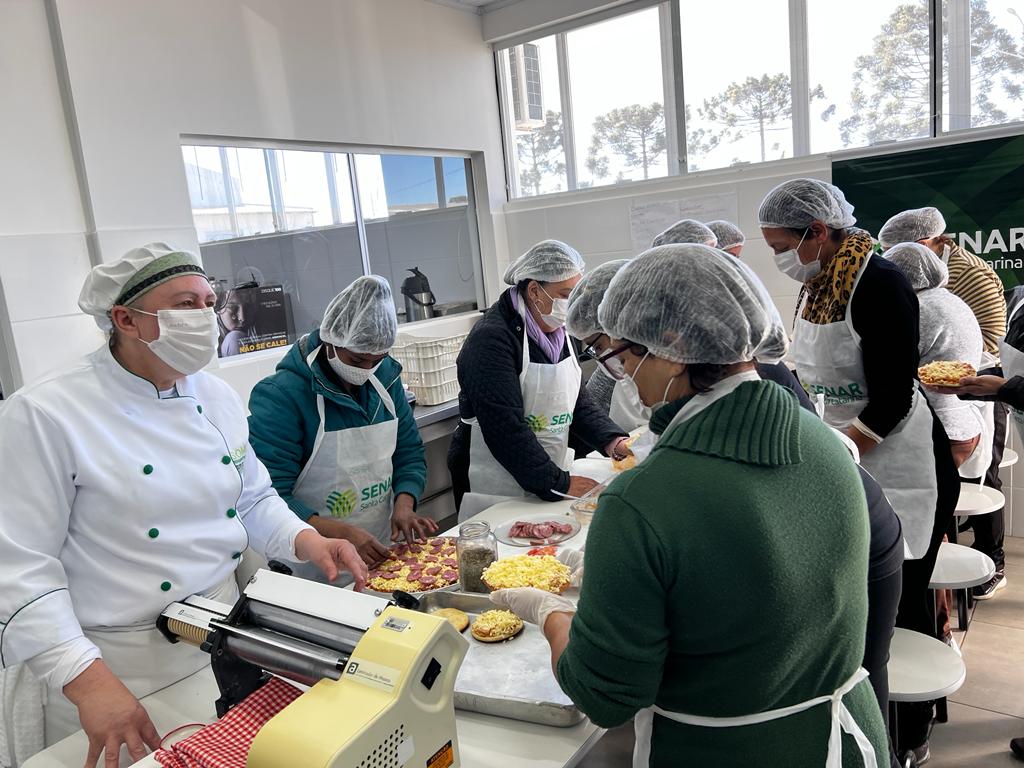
883 602
989 530
917 604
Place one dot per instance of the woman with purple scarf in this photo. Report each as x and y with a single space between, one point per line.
522 401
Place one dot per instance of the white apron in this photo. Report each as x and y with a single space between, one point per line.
348 477
141 658
550 391
1013 365
842 720
829 362
626 409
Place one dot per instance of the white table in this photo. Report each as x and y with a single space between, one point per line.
484 741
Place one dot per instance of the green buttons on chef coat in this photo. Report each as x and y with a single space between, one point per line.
235 555
148 469
166 586
225 459
153 533
232 512
199 408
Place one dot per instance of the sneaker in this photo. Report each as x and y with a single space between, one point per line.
988 590
1017 747
922 754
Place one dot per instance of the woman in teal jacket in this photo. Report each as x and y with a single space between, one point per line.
334 430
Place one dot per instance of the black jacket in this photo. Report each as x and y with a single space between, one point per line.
489 367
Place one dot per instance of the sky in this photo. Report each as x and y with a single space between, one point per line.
617 62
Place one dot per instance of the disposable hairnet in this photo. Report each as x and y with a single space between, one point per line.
362 317
693 304
922 268
799 202
686 231
130 277
585 298
728 234
549 261
912 225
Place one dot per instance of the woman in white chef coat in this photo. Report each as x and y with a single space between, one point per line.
129 484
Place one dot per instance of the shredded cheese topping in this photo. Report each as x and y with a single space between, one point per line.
945 373
497 624
544 572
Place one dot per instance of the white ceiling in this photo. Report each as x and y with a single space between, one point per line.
472 6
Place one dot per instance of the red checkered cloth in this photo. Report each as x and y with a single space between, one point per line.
226 743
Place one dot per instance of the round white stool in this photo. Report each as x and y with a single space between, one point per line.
960 567
978 500
1010 458
922 668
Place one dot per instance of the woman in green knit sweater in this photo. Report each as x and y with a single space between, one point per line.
726 575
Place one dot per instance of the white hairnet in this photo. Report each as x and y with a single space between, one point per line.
686 231
922 268
362 317
728 234
912 225
549 261
127 279
796 203
693 304
586 297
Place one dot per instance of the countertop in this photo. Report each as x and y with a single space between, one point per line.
425 415
484 741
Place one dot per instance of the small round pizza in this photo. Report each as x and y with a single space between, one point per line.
453 616
419 567
496 626
541 571
944 373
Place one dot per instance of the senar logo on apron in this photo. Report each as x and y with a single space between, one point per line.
341 504
556 424
841 395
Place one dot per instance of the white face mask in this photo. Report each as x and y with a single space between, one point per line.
789 264
945 253
188 338
559 311
351 374
633 386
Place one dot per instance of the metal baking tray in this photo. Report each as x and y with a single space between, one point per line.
511 679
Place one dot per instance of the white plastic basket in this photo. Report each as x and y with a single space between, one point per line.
424 355
436 394
431 378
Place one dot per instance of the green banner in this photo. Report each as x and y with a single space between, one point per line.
978 186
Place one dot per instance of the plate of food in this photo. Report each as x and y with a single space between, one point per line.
540 571
945 374
417 568
539 530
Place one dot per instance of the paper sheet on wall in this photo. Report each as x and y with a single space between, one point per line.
647 220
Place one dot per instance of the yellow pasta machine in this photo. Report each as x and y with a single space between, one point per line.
381 677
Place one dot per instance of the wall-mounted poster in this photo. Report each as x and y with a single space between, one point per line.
251 318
